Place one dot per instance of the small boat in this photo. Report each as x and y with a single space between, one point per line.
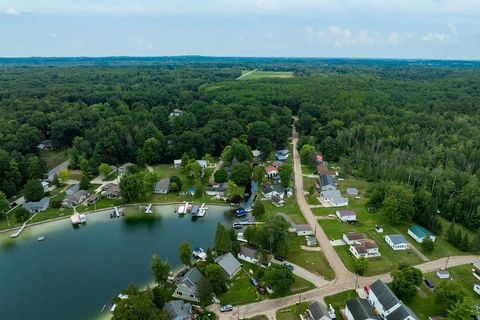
83 218
188 207
181 210
148 209
116 212
195 210
41 238
199 253
241 212
237 225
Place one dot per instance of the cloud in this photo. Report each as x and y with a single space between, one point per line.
12 12
140 44
436 37
53 35
337 37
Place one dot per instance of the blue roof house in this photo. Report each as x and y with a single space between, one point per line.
419 233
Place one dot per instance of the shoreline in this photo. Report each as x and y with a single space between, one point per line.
104 209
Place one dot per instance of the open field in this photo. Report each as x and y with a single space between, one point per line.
255 75
338 300
424 303
54 157
292 312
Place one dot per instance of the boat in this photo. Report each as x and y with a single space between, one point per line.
202 210
181 210
241 238
83 218
241 212
41 238
195 210
237 225
77 218
188 208
116 212
199 253
148 209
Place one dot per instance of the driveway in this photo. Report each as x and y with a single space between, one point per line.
304 273
52 172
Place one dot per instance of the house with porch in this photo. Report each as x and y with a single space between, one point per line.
365 249
187 285
397 241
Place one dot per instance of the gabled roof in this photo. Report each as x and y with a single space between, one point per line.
346 213
163 184
352 190
33 205
177 309
384 294
303 227
397 239
270 169
228 263
401 313
356 236
326 180
420 231
360 309
276 199
191 278
317 310
248 252
277 163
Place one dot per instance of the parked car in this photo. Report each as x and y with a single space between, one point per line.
429 283
254 281
279 258
289 266
226 308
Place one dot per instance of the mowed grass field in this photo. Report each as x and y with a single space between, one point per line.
256 75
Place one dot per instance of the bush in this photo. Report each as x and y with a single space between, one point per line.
221 175
56 203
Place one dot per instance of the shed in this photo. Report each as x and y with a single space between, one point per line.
419 233
352 191
443 274
177 163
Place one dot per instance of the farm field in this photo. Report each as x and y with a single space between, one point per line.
256 75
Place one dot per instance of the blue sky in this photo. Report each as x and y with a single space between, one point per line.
439 29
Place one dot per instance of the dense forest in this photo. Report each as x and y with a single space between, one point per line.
413 123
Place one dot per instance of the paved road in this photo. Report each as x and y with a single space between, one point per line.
52 172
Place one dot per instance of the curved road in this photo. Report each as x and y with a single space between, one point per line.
344 279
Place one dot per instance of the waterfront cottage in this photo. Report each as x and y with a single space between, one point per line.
396 241
37 206
359 309
113 192
346 215
229 264
217 190
248 254
74 199
419 233
178 310
354 237
162 186
187 286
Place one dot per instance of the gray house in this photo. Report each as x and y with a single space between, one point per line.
327 183
162 186
187 286
316 311
359 309
178 310
74 188
229 264
37 206
75 199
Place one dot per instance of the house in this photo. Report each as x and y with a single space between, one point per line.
310 241
476 270
176 113
107 186
315 311
419 233
352 191
74 188
385 303
269 190
113 192
277 163
271 172
177 163
203 163
45 145
162 186
318 158
187 285
346 215
354 237
322 168
301 230
248 254
217 190
327 183
334 198
282 155
365 249
476 288
256 154
443 274
229 264
45 185
75 199
359 309
37 206
178 310
91 199
397 241
277 201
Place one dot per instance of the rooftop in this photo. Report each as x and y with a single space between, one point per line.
384 294
397 238
228 263
248 252
360 309
346 213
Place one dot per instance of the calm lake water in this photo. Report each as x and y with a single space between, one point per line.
74 272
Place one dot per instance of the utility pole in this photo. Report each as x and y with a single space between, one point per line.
356 281
446 262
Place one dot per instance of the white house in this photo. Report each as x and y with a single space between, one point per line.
334 198
162 186
203 163
346 215
248 254
443 274
419 233
387 304
177 163
354 237
187 286
302 230
365 249
476 288
396 241
359 309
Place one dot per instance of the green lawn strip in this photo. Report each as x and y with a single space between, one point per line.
292 312
463 276
424 305
54 157
266 74
290 208
338 300
313 261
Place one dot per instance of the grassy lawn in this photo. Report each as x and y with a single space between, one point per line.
54 157
290 208
265 74
338 300
313 261
292 312
424 303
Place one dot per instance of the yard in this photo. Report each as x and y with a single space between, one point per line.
54 157
424 303
290 208
338 300
292 312
255 75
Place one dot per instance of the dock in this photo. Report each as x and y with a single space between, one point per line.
149 209
17 233
203 209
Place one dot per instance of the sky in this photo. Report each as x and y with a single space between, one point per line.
415 29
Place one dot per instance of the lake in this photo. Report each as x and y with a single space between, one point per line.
73 273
